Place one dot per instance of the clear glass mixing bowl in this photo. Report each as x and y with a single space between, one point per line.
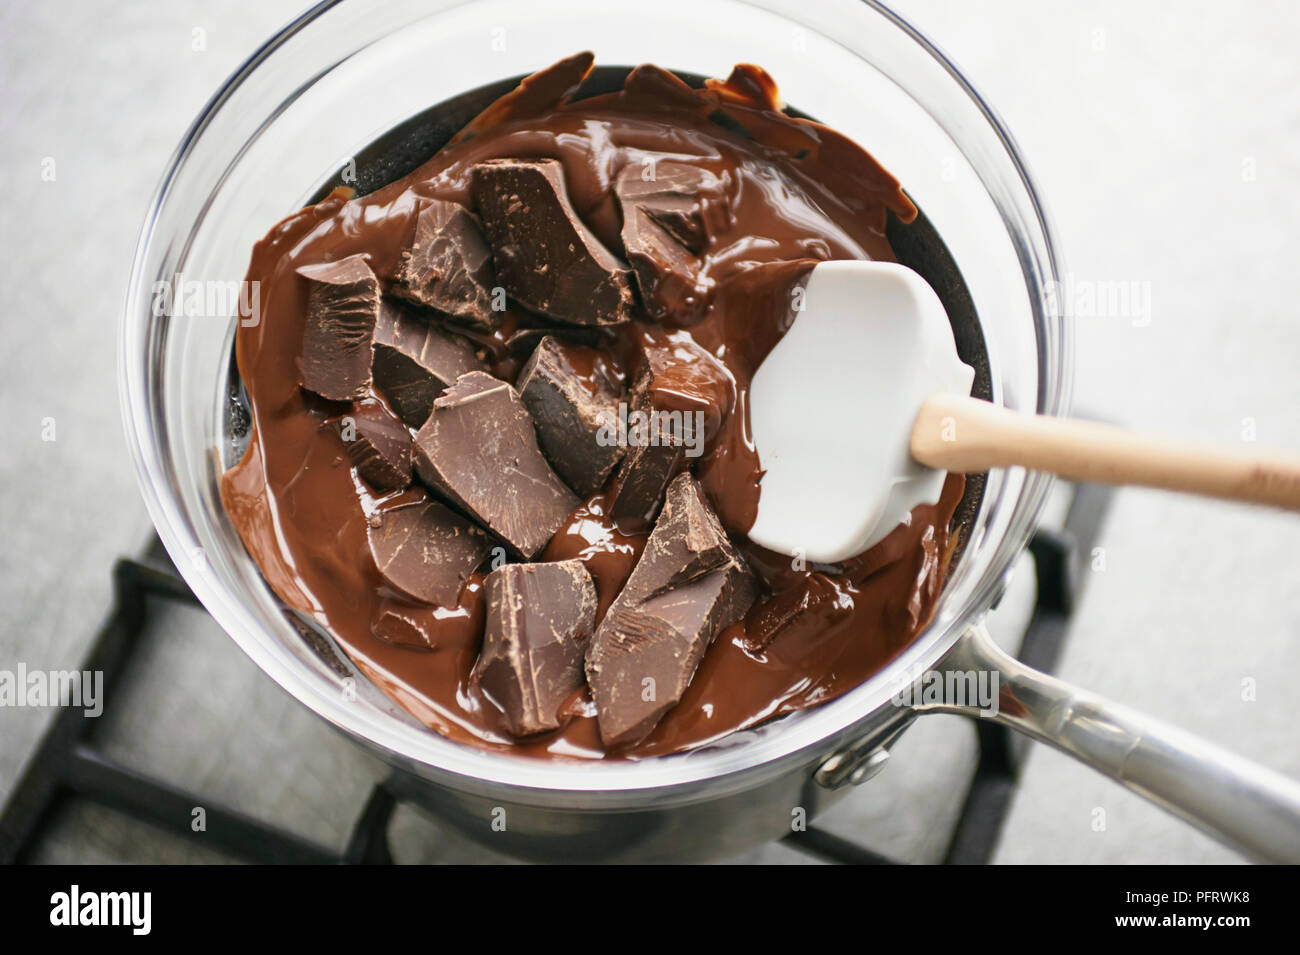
346 72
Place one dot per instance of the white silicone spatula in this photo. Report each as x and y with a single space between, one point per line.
864 404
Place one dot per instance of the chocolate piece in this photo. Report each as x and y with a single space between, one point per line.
680 398
448 266
546 257
685 376
639 485
535 95
378 444
540 618
425 549
342 306
688 542
415 361
655 451
479 449
799 612
689 585
573 414
669 210
523 342
401 625
665 196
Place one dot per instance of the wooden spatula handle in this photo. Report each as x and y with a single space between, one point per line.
969 435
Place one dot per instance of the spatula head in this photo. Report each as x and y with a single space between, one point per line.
832 409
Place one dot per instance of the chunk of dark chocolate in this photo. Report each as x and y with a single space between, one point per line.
798 612
479 449
667 196
424 549
669 210
689 585
639 484
415 361
522 342
574 407
655 450
678 401
546 256
342 307
402 625
684 376
688 542
540 619
653 455
378 444
448 266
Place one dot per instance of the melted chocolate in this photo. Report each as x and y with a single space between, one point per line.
791 193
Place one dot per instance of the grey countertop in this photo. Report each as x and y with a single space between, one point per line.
1166 140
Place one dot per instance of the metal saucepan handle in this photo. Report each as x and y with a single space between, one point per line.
1244 805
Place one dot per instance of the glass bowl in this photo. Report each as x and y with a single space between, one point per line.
346 72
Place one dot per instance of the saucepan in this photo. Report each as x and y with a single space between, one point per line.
364 90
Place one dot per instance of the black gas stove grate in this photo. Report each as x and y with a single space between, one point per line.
67 766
